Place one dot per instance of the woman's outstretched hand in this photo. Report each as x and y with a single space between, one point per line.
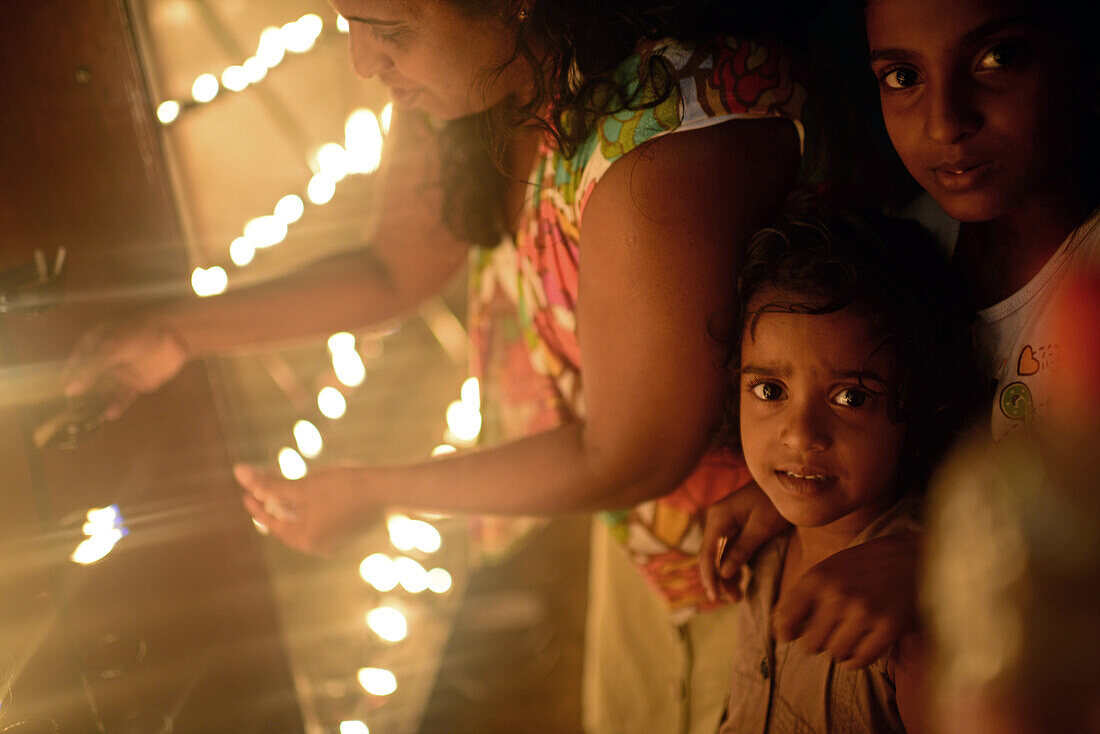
123 360
856 604
735 528
316 514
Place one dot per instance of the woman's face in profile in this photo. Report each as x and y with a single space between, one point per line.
434 56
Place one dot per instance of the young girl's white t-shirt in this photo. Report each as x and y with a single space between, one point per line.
1018 332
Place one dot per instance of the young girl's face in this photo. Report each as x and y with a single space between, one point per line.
814 425
974 96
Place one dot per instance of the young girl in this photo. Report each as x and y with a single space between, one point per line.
992 108
853 373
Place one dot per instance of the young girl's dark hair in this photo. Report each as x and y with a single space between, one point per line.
893 273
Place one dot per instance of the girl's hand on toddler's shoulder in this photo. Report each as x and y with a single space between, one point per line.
856 604
735 529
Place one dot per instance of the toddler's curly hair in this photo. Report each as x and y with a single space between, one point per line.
893 272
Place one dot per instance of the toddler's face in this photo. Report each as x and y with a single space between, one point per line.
975 98
814 425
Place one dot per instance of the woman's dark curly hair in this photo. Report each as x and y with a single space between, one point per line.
583 43
892 271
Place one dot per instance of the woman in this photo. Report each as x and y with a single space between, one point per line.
660 219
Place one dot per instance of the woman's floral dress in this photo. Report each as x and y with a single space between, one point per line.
524 293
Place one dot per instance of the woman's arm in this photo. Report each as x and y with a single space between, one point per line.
661 240
413 255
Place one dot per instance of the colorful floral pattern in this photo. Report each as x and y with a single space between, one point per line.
524 293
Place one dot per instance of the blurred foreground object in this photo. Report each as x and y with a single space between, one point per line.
1011 585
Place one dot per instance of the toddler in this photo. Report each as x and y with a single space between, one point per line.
854 371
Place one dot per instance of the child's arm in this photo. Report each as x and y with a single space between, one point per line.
735 528
907 668
857 603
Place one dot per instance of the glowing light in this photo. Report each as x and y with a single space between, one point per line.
388 623
205 88
308 439
379 571
104 528
255 68
342 24
298 36
311 23
290 208
95 548
271 48
235 78
331 403
353 726
349 368
103 518
411 575
209 281
332 159
463 420
471 392
341 341
266 231
363 141
310 26
428 538
387 117
241 251
443 449
168 111
291 463
439 580
321 188
407 533
377 681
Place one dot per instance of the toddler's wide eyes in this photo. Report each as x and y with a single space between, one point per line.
767 391
850 397
901 77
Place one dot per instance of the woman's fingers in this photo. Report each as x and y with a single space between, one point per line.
280 506
84 365
272 492
710 550
760 524
263 518
123 361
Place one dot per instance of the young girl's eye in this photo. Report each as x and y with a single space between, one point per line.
768 391
1000 56
850 397
899 77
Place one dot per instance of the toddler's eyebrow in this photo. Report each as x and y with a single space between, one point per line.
768 370
862 376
